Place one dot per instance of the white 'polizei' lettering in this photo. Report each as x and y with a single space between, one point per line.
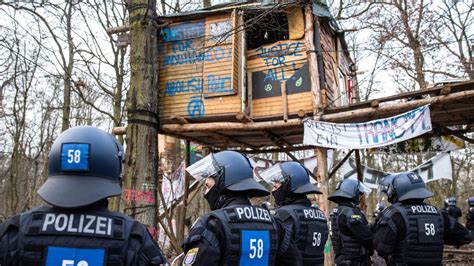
77 223
252 213
423 209
313 214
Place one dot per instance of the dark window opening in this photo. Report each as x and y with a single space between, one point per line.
262 29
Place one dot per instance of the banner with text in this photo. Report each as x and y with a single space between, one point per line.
438 167
370 134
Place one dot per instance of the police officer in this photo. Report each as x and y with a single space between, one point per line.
470 216
235 232
411 232
451 208
309 230
351 236
77 229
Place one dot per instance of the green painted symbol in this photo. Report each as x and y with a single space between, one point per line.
268 87
299 82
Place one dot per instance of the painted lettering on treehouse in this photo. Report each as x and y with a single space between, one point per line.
195 66
284 61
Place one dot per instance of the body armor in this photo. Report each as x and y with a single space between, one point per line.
250 235
345 246
310 231
49 236
423 242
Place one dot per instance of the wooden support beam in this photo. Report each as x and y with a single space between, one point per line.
312 60
179 119
119 131
360 177
451 132
291 148
119 29
339 164
231 140
242 117
284 98
374 104
195 140
462 86
445 90
301 114
360 114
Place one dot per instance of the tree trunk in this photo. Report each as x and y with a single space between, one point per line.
141 169
68 71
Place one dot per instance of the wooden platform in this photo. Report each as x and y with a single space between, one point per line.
450 105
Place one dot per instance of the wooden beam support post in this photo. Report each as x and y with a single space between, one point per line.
312 60
321 153
360 177
284 98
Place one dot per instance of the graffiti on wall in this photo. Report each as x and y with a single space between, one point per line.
279 59
184 45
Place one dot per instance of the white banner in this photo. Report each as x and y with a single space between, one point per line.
438 167
172 186
370 134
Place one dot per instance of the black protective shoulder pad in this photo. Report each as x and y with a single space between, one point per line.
13 222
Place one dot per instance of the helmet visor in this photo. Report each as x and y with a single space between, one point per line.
204 168
273 175
363 188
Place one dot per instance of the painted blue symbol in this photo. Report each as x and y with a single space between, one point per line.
196 107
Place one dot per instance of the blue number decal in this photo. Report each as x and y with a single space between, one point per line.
75 157
75 257
255 247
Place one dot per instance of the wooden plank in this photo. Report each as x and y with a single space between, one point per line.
284 101
275 62
280 46
170 101
295 23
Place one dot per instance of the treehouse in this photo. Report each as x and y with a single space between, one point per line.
250 63
245 75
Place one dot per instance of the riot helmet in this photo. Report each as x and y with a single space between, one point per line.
293 179
84 167
470 201
406 186
231 171
450 202
349 189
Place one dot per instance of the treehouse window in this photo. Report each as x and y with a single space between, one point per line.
265 28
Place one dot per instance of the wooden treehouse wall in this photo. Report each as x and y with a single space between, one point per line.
336 69
280 70
199 69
